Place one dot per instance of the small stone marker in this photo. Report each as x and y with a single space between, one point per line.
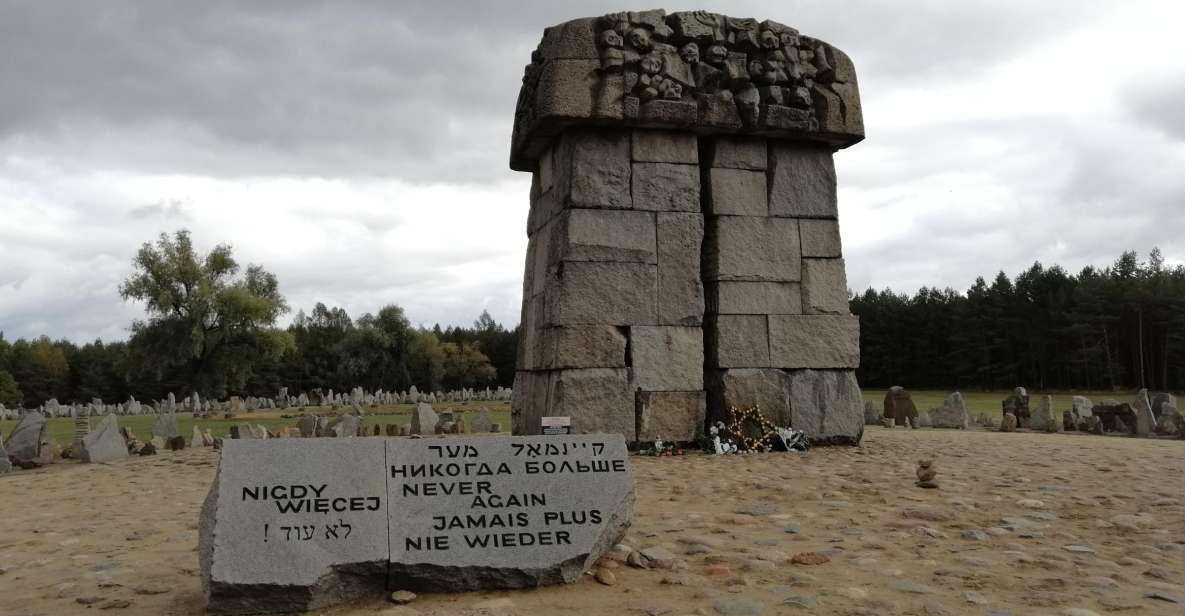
289 528
482 422
166 426
105 443
424 419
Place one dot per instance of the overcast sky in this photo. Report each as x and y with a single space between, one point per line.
359 150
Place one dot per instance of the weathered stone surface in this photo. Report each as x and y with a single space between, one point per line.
707 85
602 235
1044 418
166 426
740 153
105 443
824 287
820 238
29 444
802 183
599 400
424 419
1145 420
671 415
827 405
1009 423
748 387
737 192
1081 408
680 286
753 248
583 346
593 170
263 545
604 293
667 358
482 422
1162 402
744 297
5 463
538 547
899 406
872 417
738 341
307 425
530 402
664 146
666 187
814 341
952 414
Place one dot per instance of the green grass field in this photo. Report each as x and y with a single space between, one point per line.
989 401
398 414
62 429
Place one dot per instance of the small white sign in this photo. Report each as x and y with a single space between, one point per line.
557 425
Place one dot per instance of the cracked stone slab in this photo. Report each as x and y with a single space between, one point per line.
294 525
498 512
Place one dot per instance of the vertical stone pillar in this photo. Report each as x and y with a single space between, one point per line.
779 332
612 297
684 250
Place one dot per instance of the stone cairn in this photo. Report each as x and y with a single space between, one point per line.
684 253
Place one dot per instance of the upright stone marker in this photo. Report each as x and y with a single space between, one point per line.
293 525
683 207
105 443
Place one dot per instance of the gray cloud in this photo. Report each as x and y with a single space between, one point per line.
358 149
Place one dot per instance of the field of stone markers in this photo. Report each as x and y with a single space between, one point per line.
1021 524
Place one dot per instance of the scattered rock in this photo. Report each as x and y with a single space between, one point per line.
912 587
1163 596
606 577
801 601
737 606
402 597
974 598
974 534
809 558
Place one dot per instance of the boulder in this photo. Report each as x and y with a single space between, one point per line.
1044 418
952 414
1018 405
899 406
424 419
307 425
30 444
1009 423
105 443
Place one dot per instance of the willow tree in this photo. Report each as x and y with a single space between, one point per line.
207 323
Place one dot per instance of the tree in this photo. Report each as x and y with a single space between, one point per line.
207 326
10 392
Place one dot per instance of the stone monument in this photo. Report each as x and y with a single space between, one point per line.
684 252
295 525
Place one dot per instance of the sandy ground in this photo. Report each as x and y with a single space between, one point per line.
123 536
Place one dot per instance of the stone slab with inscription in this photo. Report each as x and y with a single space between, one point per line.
294 525
300 524
498 512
